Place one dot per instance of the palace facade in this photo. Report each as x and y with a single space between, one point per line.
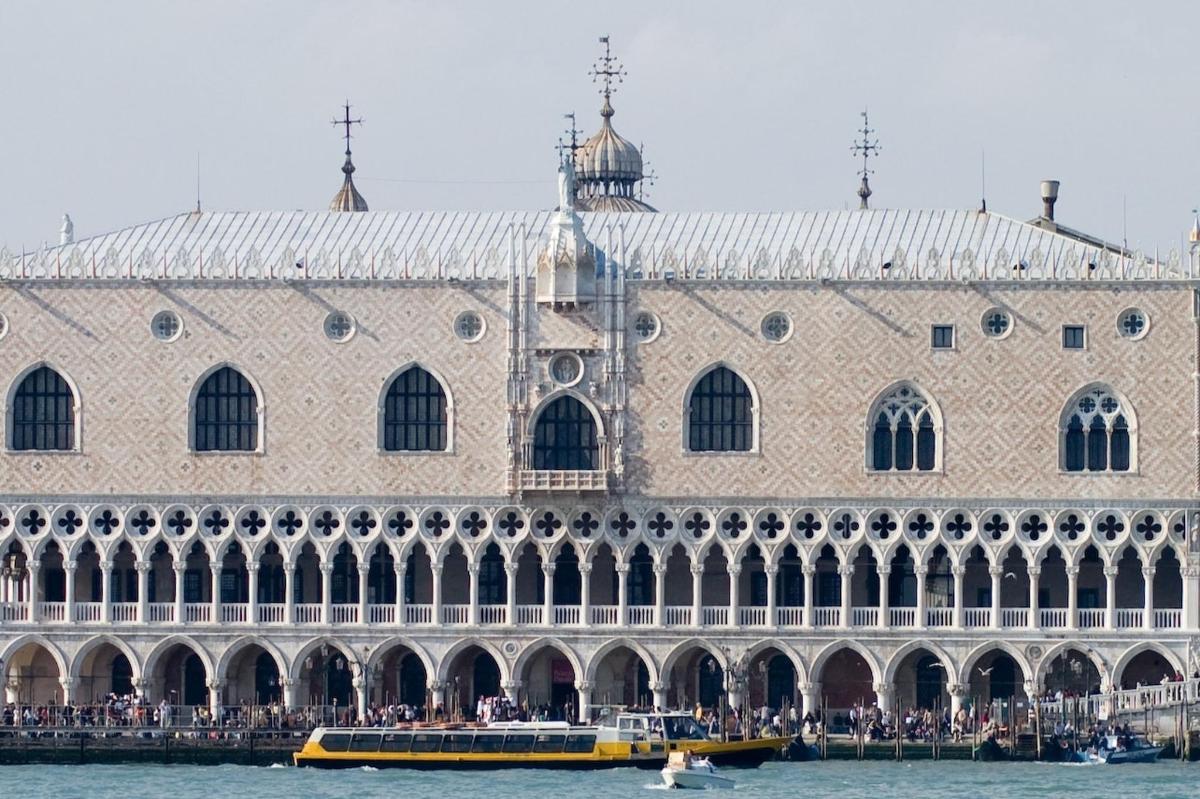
599 455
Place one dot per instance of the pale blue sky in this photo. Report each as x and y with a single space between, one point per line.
741 105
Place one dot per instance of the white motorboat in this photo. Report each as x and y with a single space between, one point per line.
683 771
1116 749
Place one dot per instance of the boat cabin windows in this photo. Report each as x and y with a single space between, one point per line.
395 742
488 744
518 744
335 741
548 744
457 742
682 728
426 742
580 744
365 742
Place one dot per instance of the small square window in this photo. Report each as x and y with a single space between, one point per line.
942 337
1073 337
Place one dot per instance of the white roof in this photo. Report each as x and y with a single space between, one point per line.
389 245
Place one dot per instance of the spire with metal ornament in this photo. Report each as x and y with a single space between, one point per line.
348 198
866 148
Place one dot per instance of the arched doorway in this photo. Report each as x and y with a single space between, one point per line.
847 680
697 676
622 679
104 670
183 677
920 681
549 683
401 678
1148 667
473 673
772 680
252 677
1073 673
996 676
32 676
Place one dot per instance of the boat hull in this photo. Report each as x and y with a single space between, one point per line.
1146 755
696 779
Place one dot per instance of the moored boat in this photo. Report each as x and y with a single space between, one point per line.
1117 749
626 739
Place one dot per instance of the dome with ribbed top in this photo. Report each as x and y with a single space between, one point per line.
607 167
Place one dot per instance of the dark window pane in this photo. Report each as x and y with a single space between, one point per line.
1073 337
43 413
564 437
926 444
720 413
881 445
226 417
1097 445
904 443
1073 457
414 413
1120 445
943 337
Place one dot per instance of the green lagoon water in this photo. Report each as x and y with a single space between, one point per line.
842 779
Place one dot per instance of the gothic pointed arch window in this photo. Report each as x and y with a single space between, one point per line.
1098 432
903 432
42 413
416 413
226 413
564 437
720 413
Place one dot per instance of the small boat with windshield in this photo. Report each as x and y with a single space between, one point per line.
620 739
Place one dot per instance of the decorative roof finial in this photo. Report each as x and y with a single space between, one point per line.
348 198
608 69
1194 236
867 148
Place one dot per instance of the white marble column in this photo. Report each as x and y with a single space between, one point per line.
106 568
143 591
960 600
1191 595
1073 597
288 687
364 571
180 571
697 570
1148 598
327 593
772 571
659 690
399 568
251 592
660 594
510 586
585 594
34 569
214 701
884 695
810 698
810 578
622 594
1035 610
436 570
735 571
70 568
921 571
473 594
548 594
584 701
1110 597
957 691
214 570
847 573
997 574
289 593
360 693
885 608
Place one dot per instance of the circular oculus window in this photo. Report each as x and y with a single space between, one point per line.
339 326
1132 323
469 326
996 323
166 326
646 327
776 327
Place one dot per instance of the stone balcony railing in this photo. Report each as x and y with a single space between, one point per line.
17 614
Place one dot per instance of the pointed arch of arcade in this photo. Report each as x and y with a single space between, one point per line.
548 400
690 645
898 657
462 645
331 642
381 651
822 658
1063 647
534 648
164 646
785 650
92 644
1127 657
240 645
987 648
609 647
17 644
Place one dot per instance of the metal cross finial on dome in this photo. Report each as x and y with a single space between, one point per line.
867 148
608 69
348 198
